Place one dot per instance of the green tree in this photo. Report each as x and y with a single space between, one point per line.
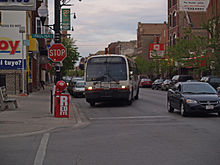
213 28
142 65
190 52
72 55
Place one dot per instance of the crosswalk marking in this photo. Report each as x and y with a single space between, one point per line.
129 117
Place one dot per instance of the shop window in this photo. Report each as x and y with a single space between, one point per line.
170 4
174 19
174 39
170 20
2 80
174 2
170 40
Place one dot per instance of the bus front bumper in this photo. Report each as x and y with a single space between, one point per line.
106 95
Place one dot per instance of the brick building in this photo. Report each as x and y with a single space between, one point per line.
213 9
180 16
148 33
126 48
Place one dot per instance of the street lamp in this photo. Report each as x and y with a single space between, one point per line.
22 31
43 13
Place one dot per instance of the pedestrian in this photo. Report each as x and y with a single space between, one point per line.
42 84
43 78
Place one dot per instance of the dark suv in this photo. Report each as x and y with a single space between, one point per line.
180 78
212 80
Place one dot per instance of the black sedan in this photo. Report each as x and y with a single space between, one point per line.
190 97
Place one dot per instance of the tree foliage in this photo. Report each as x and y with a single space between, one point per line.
142 65
190 52
72 55
213 28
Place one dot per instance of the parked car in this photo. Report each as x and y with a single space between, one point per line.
145 83
157 84
72 83
212 80
180 78
166 84
79 89
191 97
67 80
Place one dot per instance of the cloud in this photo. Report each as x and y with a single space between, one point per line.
100 22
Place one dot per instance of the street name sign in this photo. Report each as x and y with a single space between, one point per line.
57 52
42 35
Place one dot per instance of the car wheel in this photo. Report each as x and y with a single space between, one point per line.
182 110
169 107
92 104
219 114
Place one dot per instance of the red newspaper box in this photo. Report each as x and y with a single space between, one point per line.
62 105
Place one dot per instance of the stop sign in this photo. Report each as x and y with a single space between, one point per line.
57 52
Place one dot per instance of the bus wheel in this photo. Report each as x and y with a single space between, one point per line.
92 104
129 101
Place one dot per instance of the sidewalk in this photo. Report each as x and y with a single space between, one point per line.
33 115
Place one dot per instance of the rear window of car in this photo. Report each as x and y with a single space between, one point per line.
145 80
215 80
185 78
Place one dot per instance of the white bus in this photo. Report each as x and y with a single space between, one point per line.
111 77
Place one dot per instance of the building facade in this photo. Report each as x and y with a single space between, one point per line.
17 46
128 48
14 31
148 33
186 14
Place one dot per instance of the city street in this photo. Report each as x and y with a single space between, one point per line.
117 134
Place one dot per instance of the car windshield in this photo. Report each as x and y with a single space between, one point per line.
198 89
160 80
76 79
167 81
80 84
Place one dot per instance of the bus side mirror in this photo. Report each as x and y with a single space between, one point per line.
131 74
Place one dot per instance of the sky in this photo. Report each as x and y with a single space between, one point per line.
101 22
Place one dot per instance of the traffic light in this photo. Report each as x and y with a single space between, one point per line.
81 66
57 38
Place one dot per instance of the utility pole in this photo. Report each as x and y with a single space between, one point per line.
57 37
57 21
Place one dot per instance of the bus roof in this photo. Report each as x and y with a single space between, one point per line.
111 55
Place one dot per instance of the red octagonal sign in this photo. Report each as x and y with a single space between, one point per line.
57 52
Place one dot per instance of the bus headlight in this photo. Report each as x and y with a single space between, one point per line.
89 88
123 87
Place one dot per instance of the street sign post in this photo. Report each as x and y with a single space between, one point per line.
57 52
42 35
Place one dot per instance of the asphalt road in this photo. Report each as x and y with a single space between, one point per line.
117 134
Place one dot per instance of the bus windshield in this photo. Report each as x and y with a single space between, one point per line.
106 69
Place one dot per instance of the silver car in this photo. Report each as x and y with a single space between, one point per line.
79 89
